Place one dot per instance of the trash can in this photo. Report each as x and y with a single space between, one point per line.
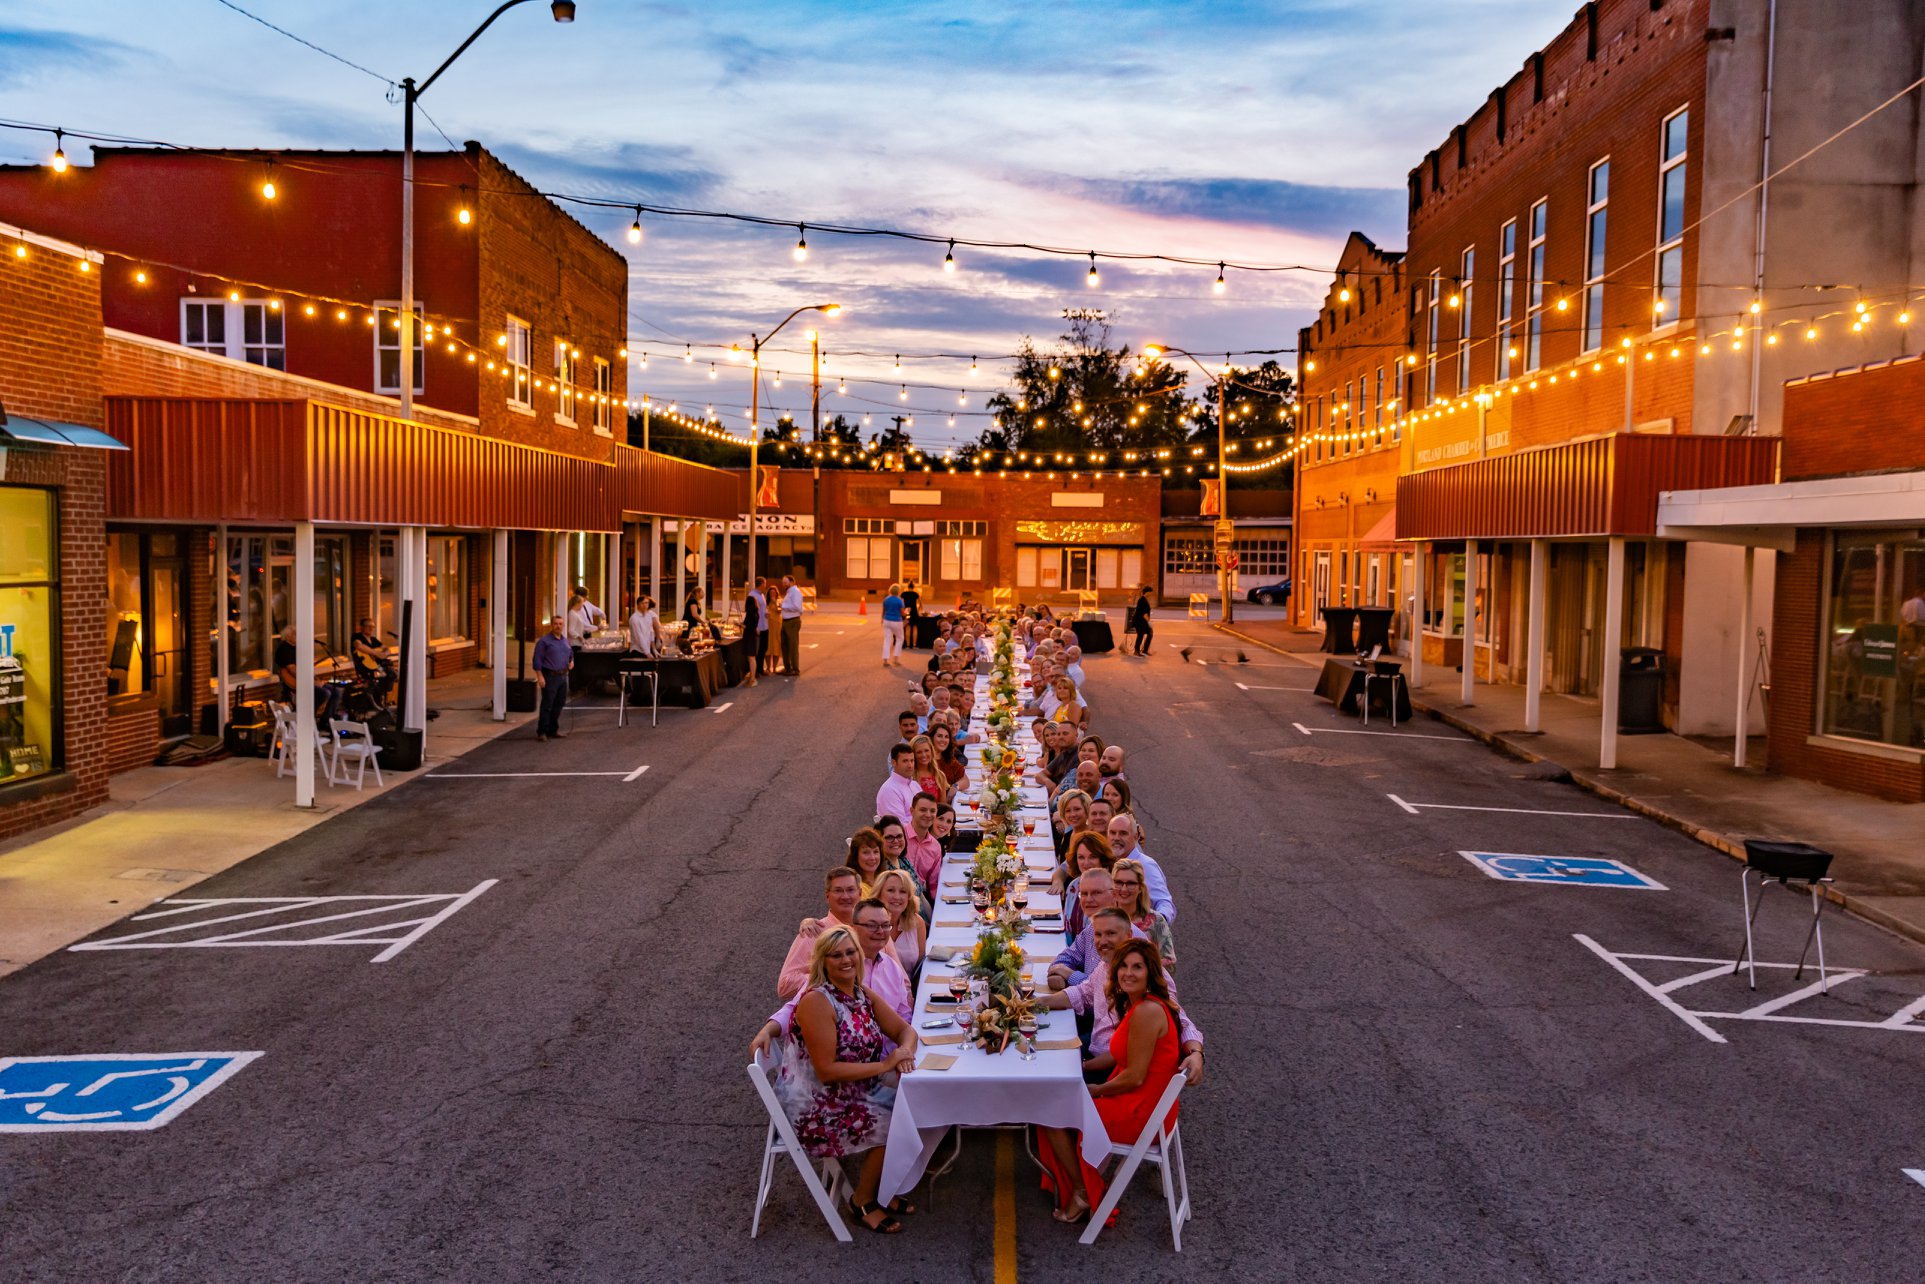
1640 690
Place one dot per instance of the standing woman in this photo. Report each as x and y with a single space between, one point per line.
759 640
692 610
752 608
1140 621
892 626
896 889
841 1088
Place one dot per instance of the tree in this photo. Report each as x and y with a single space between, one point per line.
1261 406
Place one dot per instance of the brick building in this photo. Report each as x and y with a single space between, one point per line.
1349 367
54 651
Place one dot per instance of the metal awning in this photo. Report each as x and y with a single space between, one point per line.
17 430
1383 532
1769 516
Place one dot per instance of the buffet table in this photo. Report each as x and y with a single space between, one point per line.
692 680
1093 635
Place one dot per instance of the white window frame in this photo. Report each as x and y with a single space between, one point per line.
1506 295
1596 237
1363 407
1538 228
1380 405
1430 328
1670 252
566 393
961 559
604 409
387 337
233 343
1466 282
517 355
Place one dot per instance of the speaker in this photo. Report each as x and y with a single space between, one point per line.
523 695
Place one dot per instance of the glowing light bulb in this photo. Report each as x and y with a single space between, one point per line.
59 161
904 394
464 216
1092 280
635 228
801 251
1343 294
1756 307
140 278
712 370
843 387
688 354
268 190
949 259
1811 332
1658 307
233 296
1220 286
1563 305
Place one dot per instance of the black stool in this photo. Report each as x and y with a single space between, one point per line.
1787 863
630 671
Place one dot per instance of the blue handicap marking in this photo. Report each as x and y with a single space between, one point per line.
1575 871
108 1092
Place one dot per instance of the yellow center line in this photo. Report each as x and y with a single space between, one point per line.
1005 1208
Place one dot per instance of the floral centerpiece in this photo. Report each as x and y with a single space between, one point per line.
999 1020
998 962
997 863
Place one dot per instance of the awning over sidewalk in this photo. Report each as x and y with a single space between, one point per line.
18 430
1769 516
1382 533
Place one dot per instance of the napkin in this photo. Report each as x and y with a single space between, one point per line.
1057 1045
936 1061
943 1038
961 922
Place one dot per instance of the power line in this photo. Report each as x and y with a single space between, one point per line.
327 53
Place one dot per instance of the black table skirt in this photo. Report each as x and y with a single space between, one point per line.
691 680
592 668
1093 636
1373 627
1342 683
923 630
737 659
1340 630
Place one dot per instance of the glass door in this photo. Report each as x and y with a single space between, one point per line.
166 612
915 562
1320 588
1078 569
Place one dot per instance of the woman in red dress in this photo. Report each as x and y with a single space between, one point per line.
1145 1046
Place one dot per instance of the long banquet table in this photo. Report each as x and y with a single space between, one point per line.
984 1089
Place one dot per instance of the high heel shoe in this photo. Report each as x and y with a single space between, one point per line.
887 1226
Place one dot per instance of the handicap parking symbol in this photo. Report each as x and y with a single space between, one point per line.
109 1092
1575 871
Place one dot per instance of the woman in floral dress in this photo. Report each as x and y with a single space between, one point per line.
838 1081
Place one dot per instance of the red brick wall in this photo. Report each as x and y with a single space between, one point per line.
133 736
50 367
1862 421
1796 633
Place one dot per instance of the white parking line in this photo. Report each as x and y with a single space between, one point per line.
1676 1009
1359 731
1414 808
1243 686
1916 1174
523 775
724 707
635 773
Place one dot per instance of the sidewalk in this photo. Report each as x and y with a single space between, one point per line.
168 828
1692 787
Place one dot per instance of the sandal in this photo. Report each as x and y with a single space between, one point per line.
1072 1215
887 1226
901 1206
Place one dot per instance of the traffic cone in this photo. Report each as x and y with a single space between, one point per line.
863 609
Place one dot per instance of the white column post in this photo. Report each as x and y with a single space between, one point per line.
702 564
681 569
563 584
498 626
1416 615
303 592
612 576
1534 644
726 563
1607 752
417 580
655 559
224 639
1739 747
1468 687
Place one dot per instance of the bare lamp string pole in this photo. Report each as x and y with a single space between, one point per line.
755 416
1222 379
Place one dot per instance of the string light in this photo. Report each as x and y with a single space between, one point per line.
1092 280
1220 286
801 251
268 190
635 228
949 259
59 161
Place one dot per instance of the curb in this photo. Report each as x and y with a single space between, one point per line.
1734 849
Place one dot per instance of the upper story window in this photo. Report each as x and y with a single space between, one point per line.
1534 299
1673 160
387 347
1380 405
604 396
247 330
517 352
1430 355
1506 298
1467 278
565 359
1596 207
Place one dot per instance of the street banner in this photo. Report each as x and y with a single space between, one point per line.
1212 505
765 497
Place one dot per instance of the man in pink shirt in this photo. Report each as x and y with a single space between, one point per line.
882 974
841 888
898 793
924 849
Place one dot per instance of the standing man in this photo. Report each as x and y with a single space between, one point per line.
760 642
553 659
892 611
1140 621
791 627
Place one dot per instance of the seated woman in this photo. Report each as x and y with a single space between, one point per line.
945 826
865 858
896 889
1088 850
948 759
1069 706
895 852
839 1091
1133 898
1145 1046
1072 814
927 775
1118 791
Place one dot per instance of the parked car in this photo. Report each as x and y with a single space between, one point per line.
1271 594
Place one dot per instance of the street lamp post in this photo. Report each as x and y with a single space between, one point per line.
564 11
755 416
1222 380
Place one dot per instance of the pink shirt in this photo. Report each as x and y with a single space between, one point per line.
794 976
1092 995
883 977
925 857
897 795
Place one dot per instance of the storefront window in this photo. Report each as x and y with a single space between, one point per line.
1875 631
126 665
260 571
29 652
447 587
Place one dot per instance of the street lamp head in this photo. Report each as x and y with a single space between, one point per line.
564 10
829 309
1155 350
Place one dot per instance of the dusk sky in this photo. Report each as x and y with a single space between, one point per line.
1231 130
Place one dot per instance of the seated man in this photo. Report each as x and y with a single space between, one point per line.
1085 777
919 704
938 702
906 725
1101 812
897 797
882 972
1058 761
1073 664
1126 840
1079 957
1109 928
841 888
1110 762
924 848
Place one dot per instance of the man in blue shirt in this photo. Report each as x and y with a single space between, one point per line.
553 659
892 626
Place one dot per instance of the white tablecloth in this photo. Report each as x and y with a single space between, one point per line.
982 1088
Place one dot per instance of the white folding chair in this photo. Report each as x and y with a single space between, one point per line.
1162 1147
780 1140
281 751
353 742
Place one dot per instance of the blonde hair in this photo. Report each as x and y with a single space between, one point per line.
918 743
902 876
819 957
1142 907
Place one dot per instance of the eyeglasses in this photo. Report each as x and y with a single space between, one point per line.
874 927
890 840
1122 883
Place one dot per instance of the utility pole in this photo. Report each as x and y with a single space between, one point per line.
1226 548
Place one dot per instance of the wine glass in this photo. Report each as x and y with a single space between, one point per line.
965 1017
958 987
1019 895
1029 827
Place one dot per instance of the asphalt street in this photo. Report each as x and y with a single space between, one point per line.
1416 1071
